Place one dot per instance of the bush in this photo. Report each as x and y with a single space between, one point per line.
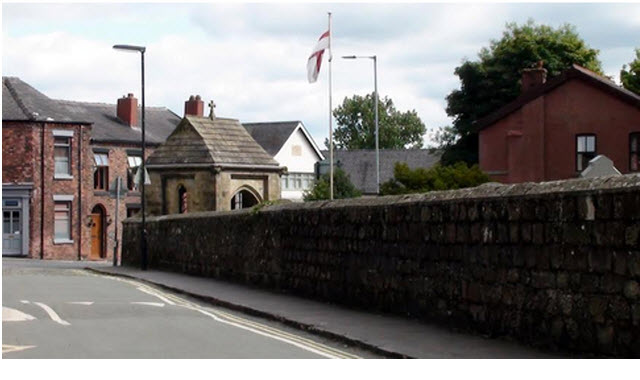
421 180
342 187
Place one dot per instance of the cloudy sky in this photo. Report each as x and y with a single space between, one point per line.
251 58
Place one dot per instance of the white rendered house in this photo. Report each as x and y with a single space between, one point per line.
292 146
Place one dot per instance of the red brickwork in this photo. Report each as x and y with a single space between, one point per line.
538 141
118 166
23 151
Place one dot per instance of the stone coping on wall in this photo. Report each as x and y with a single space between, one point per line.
629 182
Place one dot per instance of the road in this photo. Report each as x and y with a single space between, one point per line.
59 310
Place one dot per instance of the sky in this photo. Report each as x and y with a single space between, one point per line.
251 58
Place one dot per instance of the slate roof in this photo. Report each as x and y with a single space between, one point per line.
200 140
21 102
271 135
360 164
575 72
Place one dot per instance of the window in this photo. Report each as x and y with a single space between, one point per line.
101 175
62 156
297 181
62 221
182 200
132 211
134 162
585 150
634 152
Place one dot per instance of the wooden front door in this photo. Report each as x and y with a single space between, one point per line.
97 238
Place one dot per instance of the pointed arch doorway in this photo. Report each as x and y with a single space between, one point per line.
98 233
244 199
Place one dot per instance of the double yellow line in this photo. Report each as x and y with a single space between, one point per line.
245 324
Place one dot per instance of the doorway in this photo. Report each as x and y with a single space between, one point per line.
97 233
243 199
11 231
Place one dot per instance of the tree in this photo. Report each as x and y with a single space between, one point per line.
631 79
342 187
421 180
494 79
355 118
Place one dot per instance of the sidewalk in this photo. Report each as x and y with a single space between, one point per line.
388 335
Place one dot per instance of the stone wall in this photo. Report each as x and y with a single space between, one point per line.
555 264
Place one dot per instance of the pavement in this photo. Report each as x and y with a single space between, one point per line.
387 335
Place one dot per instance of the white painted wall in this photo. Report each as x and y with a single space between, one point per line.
299 156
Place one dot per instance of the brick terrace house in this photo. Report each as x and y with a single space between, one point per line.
555 127
60 162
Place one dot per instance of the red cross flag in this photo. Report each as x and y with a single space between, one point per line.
315 59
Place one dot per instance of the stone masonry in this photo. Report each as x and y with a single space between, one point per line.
555 264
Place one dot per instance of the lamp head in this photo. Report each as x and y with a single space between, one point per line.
133 48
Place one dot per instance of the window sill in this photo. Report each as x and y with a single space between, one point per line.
133 193
62 241
100 193
62 176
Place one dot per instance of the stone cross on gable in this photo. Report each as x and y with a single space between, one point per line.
212 105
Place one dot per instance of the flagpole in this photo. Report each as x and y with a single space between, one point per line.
330 119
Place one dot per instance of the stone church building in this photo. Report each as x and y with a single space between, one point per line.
209 164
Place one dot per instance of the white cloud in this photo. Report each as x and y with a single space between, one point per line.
251 58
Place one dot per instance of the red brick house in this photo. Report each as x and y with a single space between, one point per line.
60 162
555 127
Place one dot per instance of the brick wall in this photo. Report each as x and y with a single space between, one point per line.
118 166
22 152
554 264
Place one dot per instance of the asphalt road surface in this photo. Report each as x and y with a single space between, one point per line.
59 310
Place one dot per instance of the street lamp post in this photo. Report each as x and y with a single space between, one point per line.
143 176
375 84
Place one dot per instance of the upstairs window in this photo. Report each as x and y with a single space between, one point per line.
101 175
134 163
585 150
62 156
634 152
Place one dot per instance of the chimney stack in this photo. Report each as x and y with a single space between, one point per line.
532 78
128 110
194 106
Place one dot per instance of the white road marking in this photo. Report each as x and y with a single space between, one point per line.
6 348
24 301
52 314
155 294
13 315
158 304
257 328
86 303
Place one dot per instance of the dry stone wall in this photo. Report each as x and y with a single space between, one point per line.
555 264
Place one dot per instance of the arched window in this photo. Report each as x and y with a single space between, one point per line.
183 200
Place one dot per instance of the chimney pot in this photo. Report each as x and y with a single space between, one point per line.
194 106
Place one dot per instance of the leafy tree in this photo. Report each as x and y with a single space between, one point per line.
355 118
494 79
631 79
421 180
342 187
